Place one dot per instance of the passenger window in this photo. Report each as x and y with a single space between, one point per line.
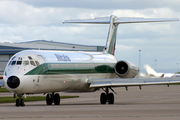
32 63
13 63
19 62
37 63
26 62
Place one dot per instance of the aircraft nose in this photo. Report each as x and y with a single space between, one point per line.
13 82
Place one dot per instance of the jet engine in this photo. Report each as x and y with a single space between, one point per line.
126 69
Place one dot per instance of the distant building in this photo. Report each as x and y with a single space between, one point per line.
7 50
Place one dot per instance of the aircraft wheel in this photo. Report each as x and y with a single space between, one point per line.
111 98
22 102
49 99
56 99
17 103
103 98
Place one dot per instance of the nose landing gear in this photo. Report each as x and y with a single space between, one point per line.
20 101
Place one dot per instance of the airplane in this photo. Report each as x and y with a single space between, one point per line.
141 75
49 72
152 73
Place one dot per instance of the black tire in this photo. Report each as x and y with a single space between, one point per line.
111 98
56 99
17 103
22 102
49 99
103 98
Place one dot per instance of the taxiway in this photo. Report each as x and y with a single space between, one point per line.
152 102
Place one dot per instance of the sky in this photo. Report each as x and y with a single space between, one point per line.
28 20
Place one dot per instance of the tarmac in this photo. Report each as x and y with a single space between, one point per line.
150 103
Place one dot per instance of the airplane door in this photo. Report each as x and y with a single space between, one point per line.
41 59
39 80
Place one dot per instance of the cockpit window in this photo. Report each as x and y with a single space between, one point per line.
37 63
26 62
19 62
13 63
30 57
32 63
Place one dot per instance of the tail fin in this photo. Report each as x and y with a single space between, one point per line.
111 39
150 71
114 22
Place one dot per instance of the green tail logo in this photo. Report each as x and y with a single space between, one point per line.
111 40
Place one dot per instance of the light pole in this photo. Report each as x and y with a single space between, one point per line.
155 64
139 59
73 47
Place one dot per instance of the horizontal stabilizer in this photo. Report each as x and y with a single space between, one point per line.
100 20
120 20
113 22
118 82
143 20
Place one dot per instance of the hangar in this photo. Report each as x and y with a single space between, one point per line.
7 50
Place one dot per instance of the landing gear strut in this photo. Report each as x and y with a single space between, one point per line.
20 101
53 98
107 97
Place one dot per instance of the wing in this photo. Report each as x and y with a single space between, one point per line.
118 82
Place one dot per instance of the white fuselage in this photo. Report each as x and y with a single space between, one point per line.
41 71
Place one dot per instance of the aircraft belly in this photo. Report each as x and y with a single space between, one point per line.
61 82
68 82
33 83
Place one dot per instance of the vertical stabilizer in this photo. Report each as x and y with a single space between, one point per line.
111 39
150 71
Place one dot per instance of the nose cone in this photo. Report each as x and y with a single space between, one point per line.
13 82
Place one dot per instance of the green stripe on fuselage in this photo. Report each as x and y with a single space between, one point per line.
71 68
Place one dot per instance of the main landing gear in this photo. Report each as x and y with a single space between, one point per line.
53 98
107 97
19 101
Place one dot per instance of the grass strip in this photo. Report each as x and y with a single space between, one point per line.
30 98
3 90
